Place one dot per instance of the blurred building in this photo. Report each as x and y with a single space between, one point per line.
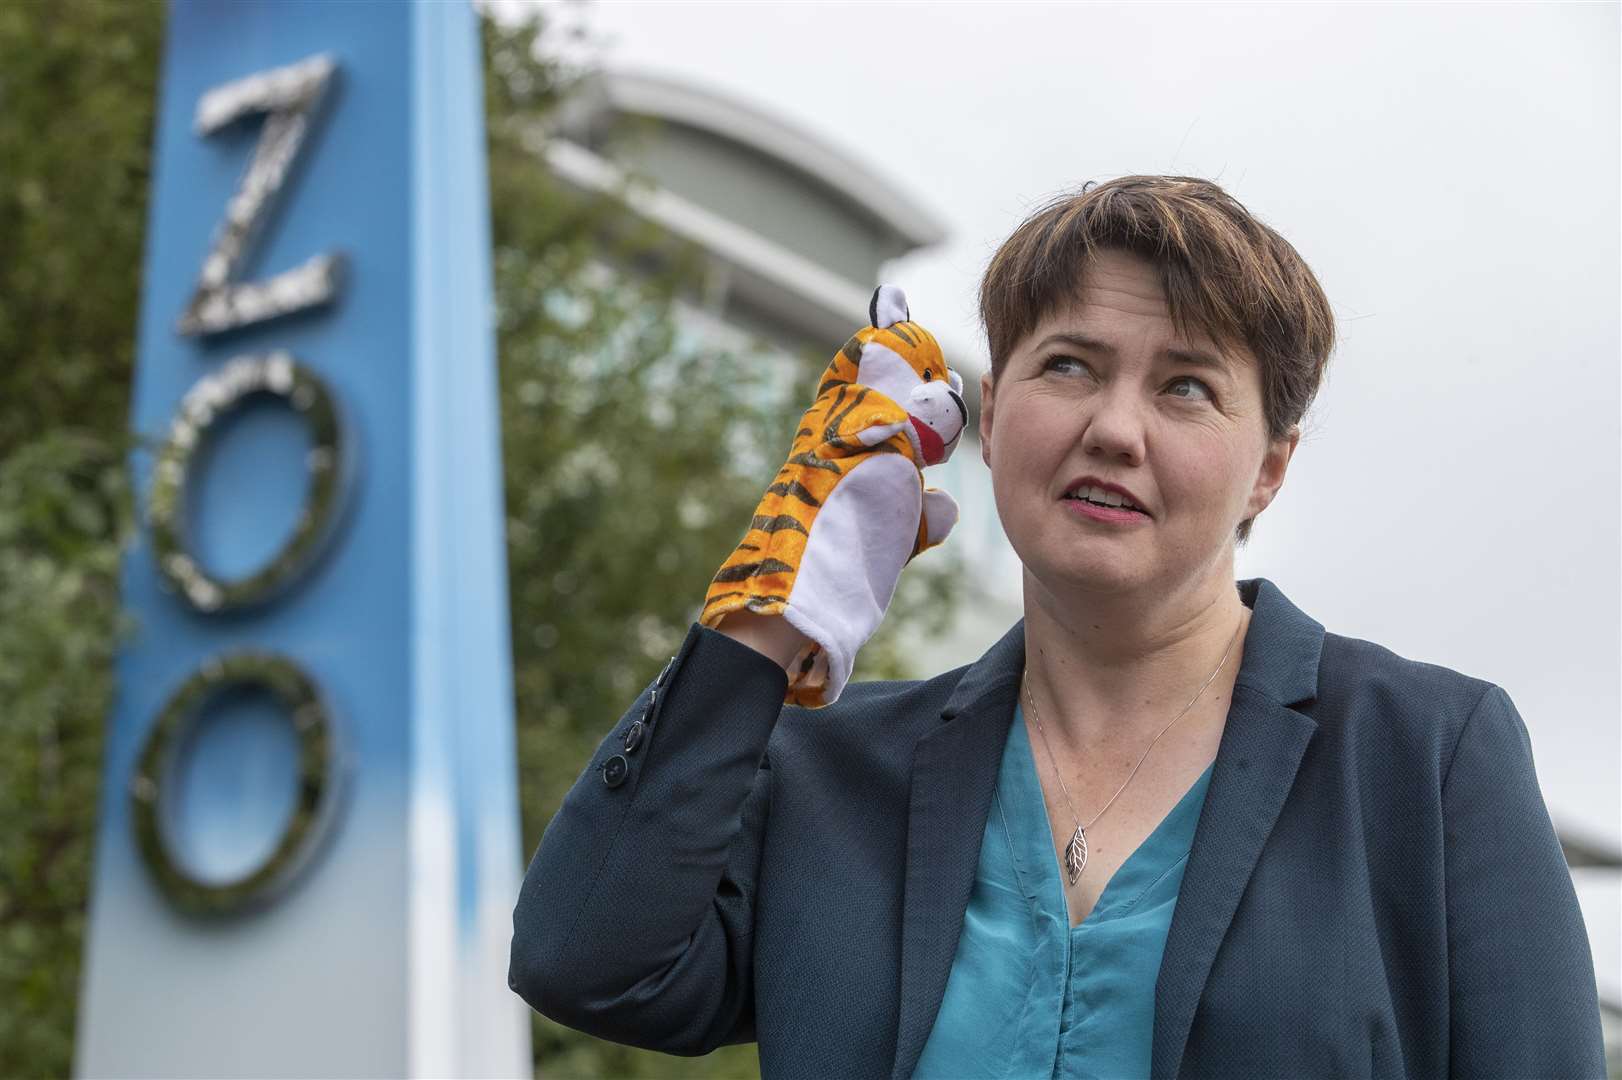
795 233
1596 872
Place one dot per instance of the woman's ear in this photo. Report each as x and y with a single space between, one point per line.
1271 475
987 385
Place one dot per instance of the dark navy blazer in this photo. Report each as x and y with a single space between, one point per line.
1375 887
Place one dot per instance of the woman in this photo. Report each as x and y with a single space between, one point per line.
1166 826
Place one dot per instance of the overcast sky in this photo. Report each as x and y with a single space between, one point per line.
1451 173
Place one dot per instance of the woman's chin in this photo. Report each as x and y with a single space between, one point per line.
1100 573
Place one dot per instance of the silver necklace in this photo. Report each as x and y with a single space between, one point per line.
1075 852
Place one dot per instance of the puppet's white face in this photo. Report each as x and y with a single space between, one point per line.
935 405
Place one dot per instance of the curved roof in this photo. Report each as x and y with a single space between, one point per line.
682 102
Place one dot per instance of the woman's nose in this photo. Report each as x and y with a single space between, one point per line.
1115 426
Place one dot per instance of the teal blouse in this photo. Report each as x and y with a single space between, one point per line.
1028 996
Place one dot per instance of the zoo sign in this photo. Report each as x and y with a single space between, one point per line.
307 851
289 98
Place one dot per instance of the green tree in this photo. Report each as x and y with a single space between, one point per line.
616 514
77 91
601 477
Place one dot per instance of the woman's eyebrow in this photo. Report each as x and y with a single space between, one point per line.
1192 357
1070 337
1197 359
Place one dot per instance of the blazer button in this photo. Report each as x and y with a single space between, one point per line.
614 770
633 736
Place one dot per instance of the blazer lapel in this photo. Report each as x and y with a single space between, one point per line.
1257 759
954 772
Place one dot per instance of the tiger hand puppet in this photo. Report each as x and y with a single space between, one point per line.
849 508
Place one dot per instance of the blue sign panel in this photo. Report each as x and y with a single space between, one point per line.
308 845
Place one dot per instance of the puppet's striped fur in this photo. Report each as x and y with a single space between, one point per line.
759 574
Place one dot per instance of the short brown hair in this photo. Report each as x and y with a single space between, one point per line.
1223 271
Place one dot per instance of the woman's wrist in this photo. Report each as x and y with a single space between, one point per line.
770 635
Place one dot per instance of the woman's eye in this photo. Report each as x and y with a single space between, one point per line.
1070 364
1197 382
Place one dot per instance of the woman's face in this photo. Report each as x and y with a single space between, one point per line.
1105 388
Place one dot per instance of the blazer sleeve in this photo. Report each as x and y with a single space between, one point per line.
635 919
1523 997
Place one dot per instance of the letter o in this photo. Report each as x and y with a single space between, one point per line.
322 768
329 463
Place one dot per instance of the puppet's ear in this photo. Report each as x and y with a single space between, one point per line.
888 307
955 380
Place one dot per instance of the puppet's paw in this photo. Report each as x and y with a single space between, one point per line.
940 515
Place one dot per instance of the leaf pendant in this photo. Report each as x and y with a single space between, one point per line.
1075 855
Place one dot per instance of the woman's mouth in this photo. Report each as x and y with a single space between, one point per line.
1095 512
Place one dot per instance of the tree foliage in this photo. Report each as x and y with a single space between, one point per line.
77 93
78 86
633 457
624 449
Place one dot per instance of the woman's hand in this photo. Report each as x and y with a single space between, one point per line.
770 635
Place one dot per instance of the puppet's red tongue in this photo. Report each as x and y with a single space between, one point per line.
934 449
